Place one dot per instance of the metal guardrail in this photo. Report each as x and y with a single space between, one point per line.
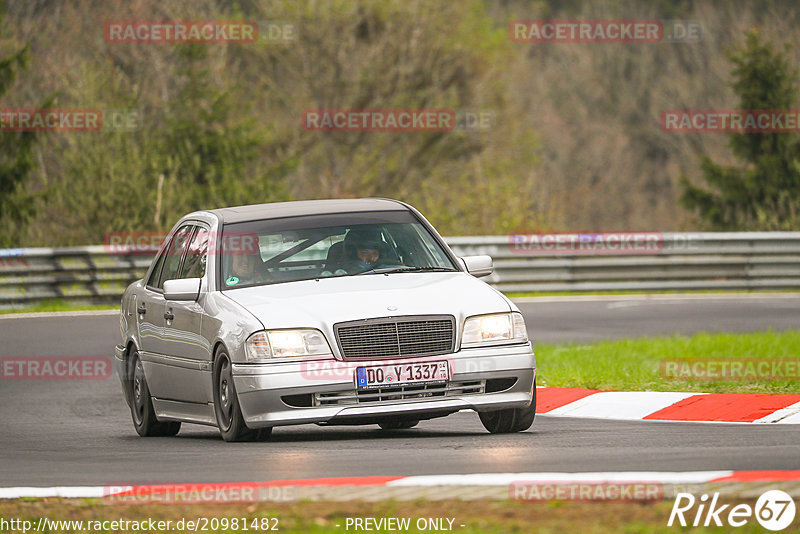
682 261
85 273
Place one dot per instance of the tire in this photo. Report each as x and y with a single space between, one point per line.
142 412
511 419
398 425
226 405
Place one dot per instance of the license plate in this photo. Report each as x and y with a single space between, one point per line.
402 374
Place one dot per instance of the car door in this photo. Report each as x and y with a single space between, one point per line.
147 303
151 311
188 352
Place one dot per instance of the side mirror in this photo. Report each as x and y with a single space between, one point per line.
478 266
182 289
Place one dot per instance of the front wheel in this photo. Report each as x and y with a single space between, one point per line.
226 406
142 412
511 419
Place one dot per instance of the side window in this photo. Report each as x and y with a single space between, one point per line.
434 251
153 280
194 266
174 254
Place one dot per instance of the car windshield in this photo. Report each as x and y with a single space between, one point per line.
273 251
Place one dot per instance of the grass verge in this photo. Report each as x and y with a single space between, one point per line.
636 364
59 305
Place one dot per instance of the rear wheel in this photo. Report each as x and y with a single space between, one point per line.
226 405
398 425
511 419
142 412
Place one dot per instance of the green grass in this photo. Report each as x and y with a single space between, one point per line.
634 364
59 305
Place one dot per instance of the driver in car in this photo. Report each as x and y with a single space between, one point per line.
245 270
363 247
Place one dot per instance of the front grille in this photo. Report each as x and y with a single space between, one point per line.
396 337
395 393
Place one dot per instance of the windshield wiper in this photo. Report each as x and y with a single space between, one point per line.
406 269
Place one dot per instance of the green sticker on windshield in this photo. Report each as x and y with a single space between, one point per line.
232 281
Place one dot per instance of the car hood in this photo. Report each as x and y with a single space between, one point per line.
322 303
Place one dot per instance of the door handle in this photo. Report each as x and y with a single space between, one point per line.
141 310
169 316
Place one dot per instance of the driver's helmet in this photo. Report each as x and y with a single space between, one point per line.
367 237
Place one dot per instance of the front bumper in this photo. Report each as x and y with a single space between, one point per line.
329 384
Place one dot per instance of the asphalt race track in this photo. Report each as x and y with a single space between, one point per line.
598 318
79 432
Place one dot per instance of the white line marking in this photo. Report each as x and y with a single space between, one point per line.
623 405
790 420
72 492
504 479
788 415
48 315
623 304
479 479
666 421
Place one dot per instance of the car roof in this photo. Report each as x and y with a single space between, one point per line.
278 210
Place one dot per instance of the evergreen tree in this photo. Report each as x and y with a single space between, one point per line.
16 161
764 192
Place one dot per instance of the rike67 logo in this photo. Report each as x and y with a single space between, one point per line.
774 510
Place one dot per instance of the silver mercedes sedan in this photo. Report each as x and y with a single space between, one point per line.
347 312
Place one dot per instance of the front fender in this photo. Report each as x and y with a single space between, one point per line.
229 324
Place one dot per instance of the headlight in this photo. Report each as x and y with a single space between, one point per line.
269 344
495 328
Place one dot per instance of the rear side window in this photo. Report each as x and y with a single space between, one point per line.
194 266
174 255
156 272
